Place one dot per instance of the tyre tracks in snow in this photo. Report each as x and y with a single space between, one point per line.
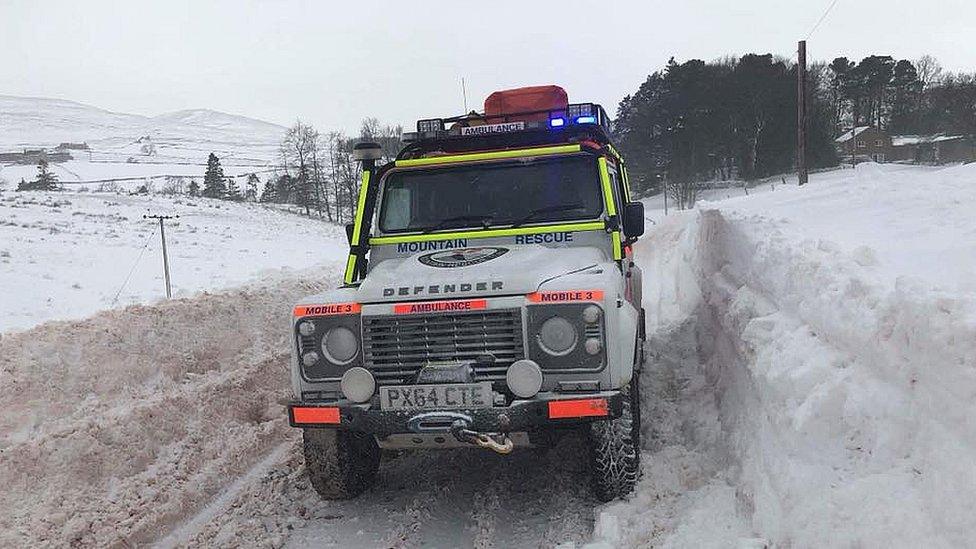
451 498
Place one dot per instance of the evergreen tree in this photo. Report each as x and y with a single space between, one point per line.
233 193
284 189
268 194
251 188
46 180
905 90
213 180
194 189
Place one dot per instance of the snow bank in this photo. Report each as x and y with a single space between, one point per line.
827 396
118 427
66 255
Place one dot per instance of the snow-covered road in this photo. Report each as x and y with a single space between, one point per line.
807 385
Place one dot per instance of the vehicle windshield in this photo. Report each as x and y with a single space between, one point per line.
537 191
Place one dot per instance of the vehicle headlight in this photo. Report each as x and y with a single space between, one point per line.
557 336
340 345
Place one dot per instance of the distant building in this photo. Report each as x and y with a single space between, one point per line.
72 147
865 142
934 149
33 156
870 143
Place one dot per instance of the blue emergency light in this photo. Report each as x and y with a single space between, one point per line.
586 120
557 122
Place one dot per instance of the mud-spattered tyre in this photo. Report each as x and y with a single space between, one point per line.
341 464
615 449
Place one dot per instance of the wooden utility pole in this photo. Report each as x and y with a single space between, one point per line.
162 235
801 112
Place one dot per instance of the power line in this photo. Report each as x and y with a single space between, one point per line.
126 281
821 20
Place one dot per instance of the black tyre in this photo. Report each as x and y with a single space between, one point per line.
615 450
341 464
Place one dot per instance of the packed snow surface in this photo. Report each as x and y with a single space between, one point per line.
68 254
808 384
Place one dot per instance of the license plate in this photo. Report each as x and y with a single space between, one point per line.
436 397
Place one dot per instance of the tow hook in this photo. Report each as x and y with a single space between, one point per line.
483 440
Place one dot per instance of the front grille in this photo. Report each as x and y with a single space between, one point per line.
395 348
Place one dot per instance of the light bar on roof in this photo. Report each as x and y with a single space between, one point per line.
578 110
430 125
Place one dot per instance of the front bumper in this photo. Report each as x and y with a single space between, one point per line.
521 415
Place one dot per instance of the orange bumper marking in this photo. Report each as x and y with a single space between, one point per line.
440 306
326 415
328 309
569 295
589 407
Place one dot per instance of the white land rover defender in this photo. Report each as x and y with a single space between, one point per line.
490 299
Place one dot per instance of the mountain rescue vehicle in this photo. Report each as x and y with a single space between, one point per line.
490 299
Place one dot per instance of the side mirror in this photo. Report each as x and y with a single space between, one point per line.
350 227
633 219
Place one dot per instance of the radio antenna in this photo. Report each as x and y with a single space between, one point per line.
464 95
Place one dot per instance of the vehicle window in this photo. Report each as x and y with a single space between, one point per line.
537 191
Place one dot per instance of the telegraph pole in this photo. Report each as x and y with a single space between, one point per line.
162 235
801 112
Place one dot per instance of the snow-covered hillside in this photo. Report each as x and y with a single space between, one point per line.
67 254
813 367
178 137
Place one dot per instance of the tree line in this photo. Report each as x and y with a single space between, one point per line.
735 117
317 171
314 171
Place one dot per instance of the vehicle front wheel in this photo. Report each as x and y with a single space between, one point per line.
341 464
615 451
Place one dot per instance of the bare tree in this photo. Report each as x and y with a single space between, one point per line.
297 151
929 71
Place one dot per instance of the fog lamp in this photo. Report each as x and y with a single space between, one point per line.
358 384
524 378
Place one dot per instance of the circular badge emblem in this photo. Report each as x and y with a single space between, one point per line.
462 257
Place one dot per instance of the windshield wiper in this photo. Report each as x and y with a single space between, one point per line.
548 209
485 220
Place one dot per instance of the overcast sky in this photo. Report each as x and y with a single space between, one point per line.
332 63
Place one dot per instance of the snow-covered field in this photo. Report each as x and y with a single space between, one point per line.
67 255
811 382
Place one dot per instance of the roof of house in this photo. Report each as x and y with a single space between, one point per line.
903 140
846 136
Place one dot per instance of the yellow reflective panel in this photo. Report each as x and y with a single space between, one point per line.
615 238
357 227
350 269
360 206
495 155
490 233
607 189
